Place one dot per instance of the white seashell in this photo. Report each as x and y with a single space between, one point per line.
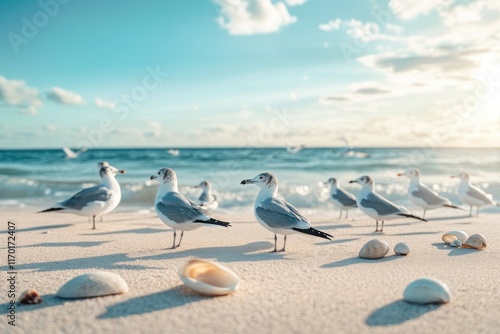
95 284
476 241
448 237
402 248
374 249
427 291
209 278
456 243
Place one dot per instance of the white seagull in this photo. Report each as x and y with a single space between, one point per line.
176 210
276 215
207 199
472 195
423 196
71 154
94 201
340 197
376 206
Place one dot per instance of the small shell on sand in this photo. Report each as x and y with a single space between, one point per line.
402 248
456 243
427 291
476 241
374 249
95 284
30 296
450 236
209 278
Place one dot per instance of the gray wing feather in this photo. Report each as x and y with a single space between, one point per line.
345 198
280 214
428 196
179 208
479 195
86 196
379 204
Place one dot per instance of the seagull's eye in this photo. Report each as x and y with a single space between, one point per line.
158 173
261 177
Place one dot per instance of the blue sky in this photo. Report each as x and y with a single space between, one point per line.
249 73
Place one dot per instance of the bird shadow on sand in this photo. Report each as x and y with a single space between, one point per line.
44 227
146 230
83 244
416 233
397 313
104 262
254 251
175 297
358 260
447 218
336 241
454 251
329 226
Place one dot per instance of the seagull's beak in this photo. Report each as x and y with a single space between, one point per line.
325 183
453 176
247 181
122 171
400 174
352 181
153 177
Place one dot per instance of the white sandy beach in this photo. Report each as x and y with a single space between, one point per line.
314 287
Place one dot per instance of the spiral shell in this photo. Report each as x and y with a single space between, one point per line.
209 278
476 241
427 291
95 284
402 248
448 237
374 249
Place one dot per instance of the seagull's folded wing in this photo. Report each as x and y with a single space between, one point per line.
428 196
280 214
180 209
479 195
86 196
380 205
345 198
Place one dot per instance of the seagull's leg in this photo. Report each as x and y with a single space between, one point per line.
376 228
346 213
477 212
340 216
470 212
423 216
175 235
93 222
382 226
275 244
182 234
101 218
284 244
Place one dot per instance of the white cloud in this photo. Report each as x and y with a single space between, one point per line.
295 2
248 17
409 9
17 93
63 96
155 129
104 104
330 25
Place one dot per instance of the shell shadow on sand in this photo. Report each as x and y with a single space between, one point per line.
454 251
398 312
358 260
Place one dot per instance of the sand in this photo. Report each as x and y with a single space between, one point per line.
315 287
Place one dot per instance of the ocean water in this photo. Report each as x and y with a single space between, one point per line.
37 179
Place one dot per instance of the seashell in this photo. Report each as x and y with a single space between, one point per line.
427 291
209 278
448 237
402 248
456 243
374 249
30 296
95 284
476 241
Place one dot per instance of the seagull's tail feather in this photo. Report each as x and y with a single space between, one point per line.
453 207
51 209
212 221
315 232
411 216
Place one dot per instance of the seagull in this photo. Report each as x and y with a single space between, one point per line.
101 164
207 199
173 152
176 210
423 196
295 149
71 154
376 206
341 198
276 215
94 201
472 195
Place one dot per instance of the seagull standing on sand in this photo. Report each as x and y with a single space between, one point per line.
207 199
101 164
423 196
376 206
471 195
279 216
94 201
176 210
340 197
